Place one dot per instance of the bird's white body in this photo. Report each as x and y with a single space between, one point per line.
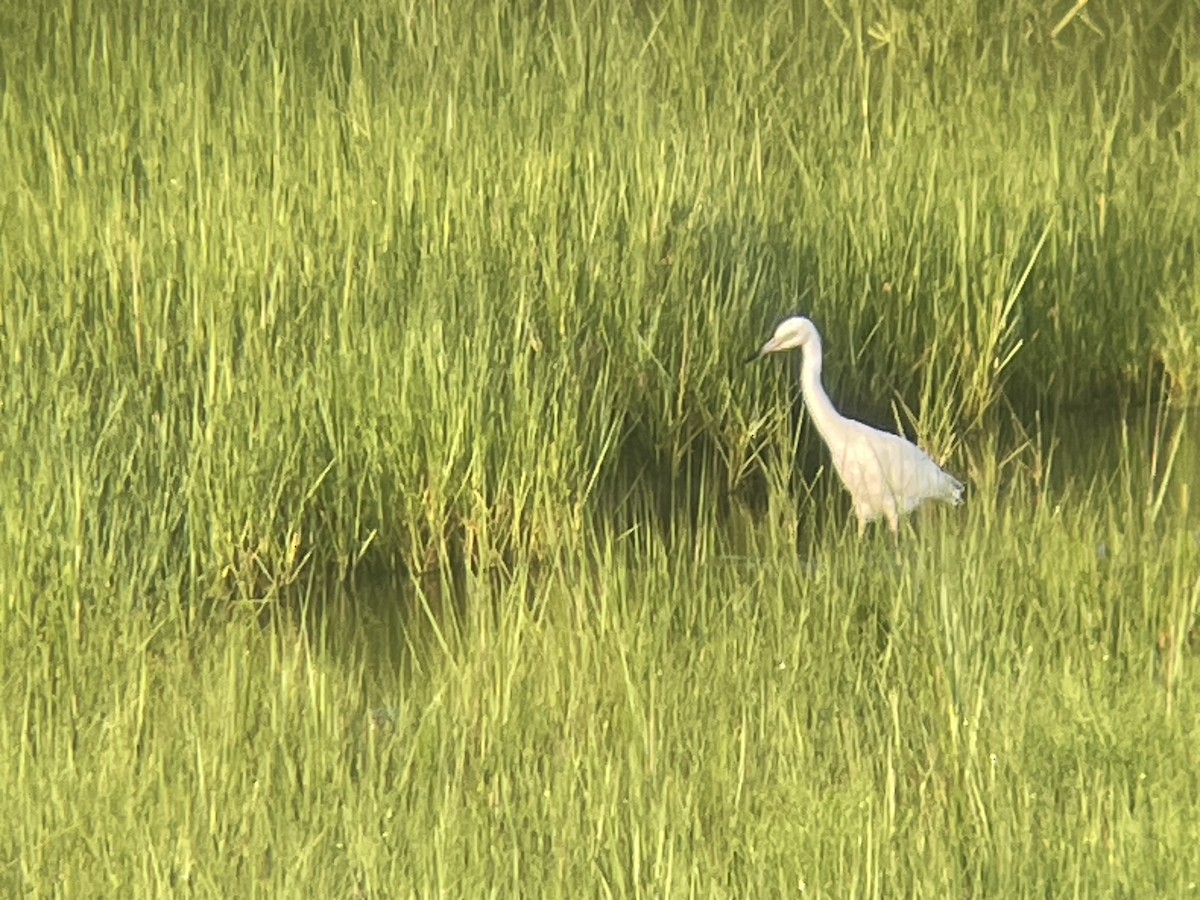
885 474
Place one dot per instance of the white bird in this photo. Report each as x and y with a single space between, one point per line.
885 474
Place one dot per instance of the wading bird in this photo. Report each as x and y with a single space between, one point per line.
885 474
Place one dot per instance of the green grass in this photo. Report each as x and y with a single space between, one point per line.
386 512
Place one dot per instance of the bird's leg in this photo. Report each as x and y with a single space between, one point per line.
894 528
862 525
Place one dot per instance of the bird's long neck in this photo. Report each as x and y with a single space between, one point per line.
820 407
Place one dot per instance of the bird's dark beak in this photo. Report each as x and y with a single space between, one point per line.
769 347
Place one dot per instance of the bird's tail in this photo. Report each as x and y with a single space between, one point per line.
953 490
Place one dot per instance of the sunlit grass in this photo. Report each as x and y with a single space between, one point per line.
385 511
967 713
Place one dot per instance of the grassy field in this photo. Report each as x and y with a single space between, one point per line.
386 512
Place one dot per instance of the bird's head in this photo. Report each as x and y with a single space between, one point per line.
790 333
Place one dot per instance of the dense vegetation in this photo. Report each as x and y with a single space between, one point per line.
386 511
